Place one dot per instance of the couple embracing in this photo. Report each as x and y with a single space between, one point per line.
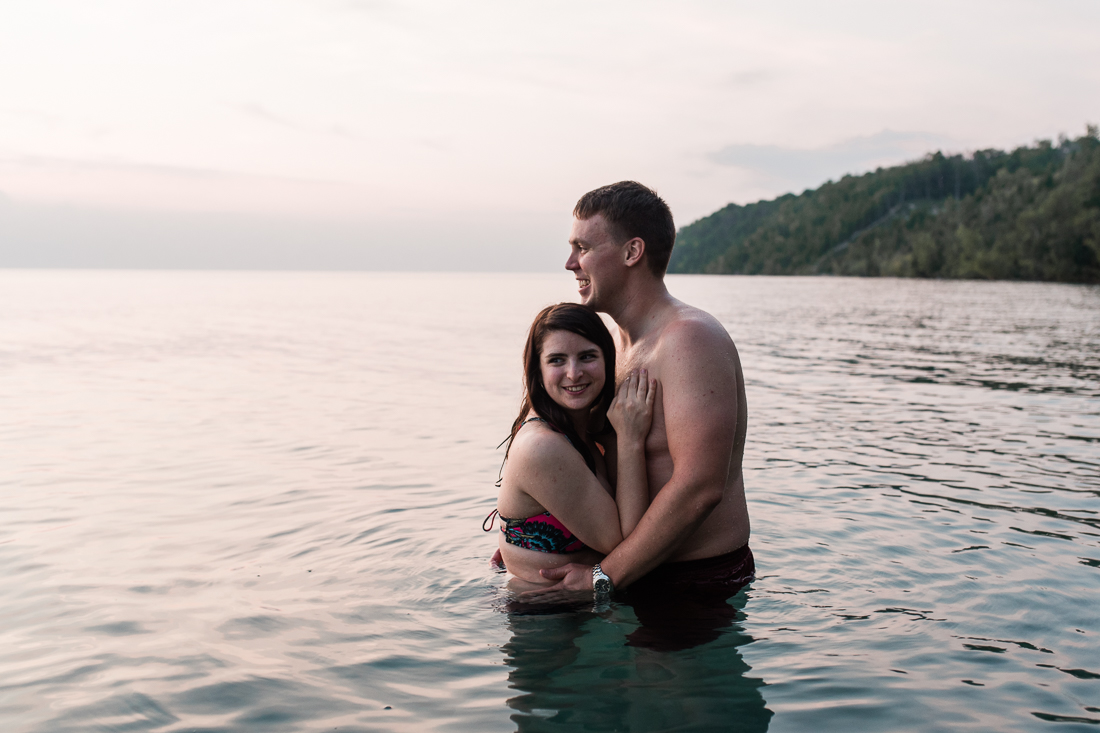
623 470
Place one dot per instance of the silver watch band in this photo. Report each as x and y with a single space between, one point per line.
602 587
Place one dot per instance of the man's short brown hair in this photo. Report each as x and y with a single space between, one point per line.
633 210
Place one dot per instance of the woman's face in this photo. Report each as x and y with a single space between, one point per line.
573 369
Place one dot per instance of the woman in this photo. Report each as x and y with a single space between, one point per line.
556 502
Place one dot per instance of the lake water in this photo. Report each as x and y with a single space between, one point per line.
252 502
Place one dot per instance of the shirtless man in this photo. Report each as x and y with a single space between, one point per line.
696 530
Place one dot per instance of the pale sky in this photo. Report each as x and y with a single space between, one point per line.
442 135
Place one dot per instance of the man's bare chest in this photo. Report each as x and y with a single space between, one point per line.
634 359
656 444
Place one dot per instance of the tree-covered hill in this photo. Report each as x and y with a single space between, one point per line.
1032 214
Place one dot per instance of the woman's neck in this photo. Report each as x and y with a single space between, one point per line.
579 418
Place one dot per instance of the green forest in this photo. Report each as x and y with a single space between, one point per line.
1029 214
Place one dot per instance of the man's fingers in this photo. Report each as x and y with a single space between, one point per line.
554 595
530 595
651 394
557 593
554 573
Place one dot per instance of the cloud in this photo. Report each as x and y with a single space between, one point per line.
111 165
802 167
750 77
116 183
372 7
257 111
33 115
377 11
260 112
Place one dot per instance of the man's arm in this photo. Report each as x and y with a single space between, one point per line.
699 389
699 377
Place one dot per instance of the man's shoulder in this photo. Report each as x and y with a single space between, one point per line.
691 330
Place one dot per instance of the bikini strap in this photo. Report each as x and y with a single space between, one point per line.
550 425
490 520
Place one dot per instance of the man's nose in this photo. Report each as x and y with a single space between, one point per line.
571 263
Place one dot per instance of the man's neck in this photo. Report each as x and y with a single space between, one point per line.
640 310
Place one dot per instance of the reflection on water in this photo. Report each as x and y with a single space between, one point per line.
252 502
572 672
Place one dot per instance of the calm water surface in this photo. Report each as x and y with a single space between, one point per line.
252 502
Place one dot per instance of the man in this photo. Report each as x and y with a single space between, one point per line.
695 533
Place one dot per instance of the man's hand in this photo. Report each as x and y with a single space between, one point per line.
575 585
572 576
497 561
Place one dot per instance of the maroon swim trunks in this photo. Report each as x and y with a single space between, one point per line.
683 604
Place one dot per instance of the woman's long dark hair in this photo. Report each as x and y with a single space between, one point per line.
584 322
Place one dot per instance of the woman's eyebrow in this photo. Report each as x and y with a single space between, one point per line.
586 352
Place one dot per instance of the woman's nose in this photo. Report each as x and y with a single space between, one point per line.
574 370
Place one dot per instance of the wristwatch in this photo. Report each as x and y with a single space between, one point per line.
602 587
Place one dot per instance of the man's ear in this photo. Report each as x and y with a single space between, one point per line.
633 251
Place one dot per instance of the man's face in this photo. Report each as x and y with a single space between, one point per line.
596 260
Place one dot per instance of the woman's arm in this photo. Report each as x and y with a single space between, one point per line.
547 469
631 414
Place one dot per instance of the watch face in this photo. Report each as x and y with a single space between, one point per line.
602 585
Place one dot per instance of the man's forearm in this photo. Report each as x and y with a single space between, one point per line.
673 517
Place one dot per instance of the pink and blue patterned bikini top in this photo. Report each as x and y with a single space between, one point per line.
542 532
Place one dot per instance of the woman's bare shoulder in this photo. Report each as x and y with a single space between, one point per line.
537 446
